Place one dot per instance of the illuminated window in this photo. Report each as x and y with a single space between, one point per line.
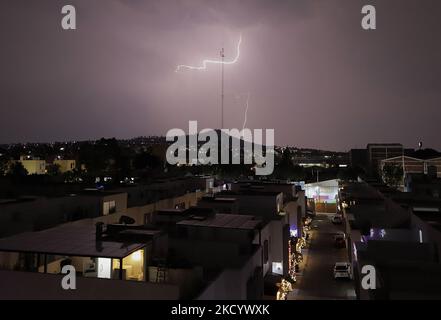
109 207
277 268
133 267
104 268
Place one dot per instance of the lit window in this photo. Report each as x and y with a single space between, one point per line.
109 207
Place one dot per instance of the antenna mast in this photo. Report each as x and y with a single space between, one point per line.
222 54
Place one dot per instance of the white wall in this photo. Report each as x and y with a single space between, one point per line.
29 285
231 284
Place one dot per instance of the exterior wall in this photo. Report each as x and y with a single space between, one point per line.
295 212
230 207
276 243
65 165
42 213
260 205
412 166
34 166
231 284
264 236
321 192
435 163
428 233
268 207
287 189
143 214
359 158
378 152
120 202
29 285
223 234
209 253
8 260
301 200
221 288
188 280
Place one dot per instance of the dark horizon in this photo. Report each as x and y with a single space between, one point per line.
313 74
157 136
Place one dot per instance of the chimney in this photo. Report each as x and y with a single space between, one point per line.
99 230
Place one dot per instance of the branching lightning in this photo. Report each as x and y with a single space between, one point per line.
206 62
246 111
239 97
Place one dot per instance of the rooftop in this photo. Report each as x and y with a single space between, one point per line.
68 241
265 183
219 199
384 145
249 192
401 235
231 221
171 212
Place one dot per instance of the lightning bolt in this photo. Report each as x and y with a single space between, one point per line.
206 62
246 111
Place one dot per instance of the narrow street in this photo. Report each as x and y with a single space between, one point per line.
315 280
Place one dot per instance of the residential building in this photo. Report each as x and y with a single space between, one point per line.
234 247
39 213
108 260
33 165
390 231
285 225
359 159
65 165
380 151
323 195
412 167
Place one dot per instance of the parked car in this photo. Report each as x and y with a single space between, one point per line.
340 240
342 270
337 219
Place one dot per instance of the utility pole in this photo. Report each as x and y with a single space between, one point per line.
222 54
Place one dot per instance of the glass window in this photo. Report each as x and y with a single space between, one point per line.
109 207
133 267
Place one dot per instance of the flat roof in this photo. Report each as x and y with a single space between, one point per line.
218 199
401 235
99 193
264 183
68 241
141 232
229 221
171 211
384 145
415 199
248 192
18 200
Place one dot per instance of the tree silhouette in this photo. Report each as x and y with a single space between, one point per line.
3 166
53 170
18 171
392 174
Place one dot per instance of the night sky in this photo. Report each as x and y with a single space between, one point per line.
313 74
